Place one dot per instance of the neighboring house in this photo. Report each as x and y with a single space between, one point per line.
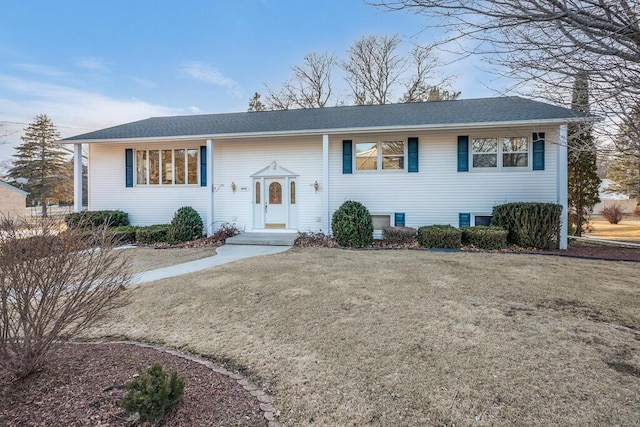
608 199
447 162
13 201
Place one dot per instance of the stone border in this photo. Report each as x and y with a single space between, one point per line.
265 401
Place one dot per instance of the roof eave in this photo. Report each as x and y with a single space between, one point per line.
342 131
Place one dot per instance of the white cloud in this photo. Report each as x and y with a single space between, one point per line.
72 110
211 75
195 109
42 70
93 64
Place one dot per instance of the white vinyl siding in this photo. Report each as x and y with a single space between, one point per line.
438 193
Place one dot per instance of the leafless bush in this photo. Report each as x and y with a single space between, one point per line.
53 284
636 211
612 213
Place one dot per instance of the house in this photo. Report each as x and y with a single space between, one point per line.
447 162
13 201
609 199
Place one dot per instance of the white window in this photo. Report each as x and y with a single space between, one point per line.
382 155
505 152
167 167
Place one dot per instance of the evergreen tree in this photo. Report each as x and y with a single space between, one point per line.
582 168
624 170
255 104
41 161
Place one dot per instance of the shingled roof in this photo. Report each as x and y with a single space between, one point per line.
511 109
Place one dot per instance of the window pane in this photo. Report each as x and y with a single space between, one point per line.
485 160
292 195
391 148
192 166
518 144
257 193
483 220
180 166
515 160
485 145
275 193
393 162
154 167
366 156
141 167
167 166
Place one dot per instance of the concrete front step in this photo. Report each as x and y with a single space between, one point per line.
263 239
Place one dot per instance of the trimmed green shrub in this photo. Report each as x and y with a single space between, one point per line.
439 236
185 226
399 234
152 234
90 219
483 237
352 225
530 225
124 233
153 393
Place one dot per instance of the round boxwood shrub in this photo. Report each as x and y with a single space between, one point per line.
186 225
352 225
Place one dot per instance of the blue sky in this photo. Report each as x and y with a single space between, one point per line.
90 65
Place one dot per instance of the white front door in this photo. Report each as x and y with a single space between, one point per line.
276 203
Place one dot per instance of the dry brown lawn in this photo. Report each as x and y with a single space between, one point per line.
396 338
147 258
627 230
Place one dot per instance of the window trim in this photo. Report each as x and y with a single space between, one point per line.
160 150
380 156
475 214
500 154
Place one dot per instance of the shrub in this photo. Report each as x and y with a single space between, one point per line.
532 225
124 233
52 286
91 219
399 234
225 231
612 213
439 236
153 393
186 225
152 234
483 237
352 225
636 211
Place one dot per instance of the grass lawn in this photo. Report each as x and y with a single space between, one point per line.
627 230
145 258
411 337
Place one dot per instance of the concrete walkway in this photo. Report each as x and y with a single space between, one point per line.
225 254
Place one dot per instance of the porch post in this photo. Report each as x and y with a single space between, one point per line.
77 177
562 182
210 146
326 217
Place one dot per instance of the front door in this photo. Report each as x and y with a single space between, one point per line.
275 203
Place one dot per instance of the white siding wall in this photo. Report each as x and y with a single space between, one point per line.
438 192
146 205
435 195
236 160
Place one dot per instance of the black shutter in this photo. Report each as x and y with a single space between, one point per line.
463 154
128 165
347 156
538 151
203 166
412 151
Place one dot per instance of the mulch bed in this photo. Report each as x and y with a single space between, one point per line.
77 389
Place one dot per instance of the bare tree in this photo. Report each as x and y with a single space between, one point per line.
420 86
53 284
545 43
374 66
310 86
